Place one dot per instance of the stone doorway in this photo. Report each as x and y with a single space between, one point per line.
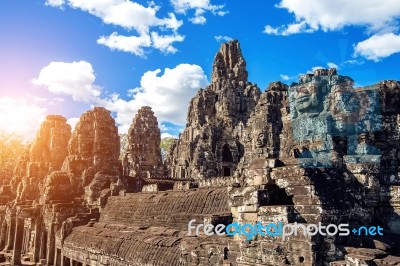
226 171
227 154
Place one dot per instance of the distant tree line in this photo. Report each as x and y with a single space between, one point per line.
11 148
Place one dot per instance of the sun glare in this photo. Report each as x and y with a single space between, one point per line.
19 117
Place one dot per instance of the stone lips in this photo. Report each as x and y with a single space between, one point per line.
237 160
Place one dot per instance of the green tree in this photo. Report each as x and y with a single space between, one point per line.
11 148
165 144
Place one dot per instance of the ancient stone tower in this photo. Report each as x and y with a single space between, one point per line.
211 144
143 156
47 153
93 153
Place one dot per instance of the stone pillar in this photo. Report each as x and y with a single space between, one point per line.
38 234
24 233
65 261
3 234
57 257
10 235
43 245
51 243
19 234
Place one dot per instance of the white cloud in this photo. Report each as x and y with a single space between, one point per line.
201 20
75 79
167 135
132 16
163 42
271 30
58 99
296 28
55 101
72 122
333 65
289 29
312 15
379 18
135 44
131 44
352 62
168 94
20 117
163 127
54 3
284 77
124 13
200 7
378 46
36 99
41 100
221 38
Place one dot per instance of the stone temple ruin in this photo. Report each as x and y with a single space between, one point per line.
317 151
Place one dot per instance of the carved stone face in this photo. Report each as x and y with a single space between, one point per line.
306 98
260 140
344 103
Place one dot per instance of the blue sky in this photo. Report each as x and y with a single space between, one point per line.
64 56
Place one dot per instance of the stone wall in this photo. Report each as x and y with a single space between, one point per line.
151 228
171 208
122 246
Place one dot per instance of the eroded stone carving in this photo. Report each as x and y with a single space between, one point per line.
143 157
211 145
